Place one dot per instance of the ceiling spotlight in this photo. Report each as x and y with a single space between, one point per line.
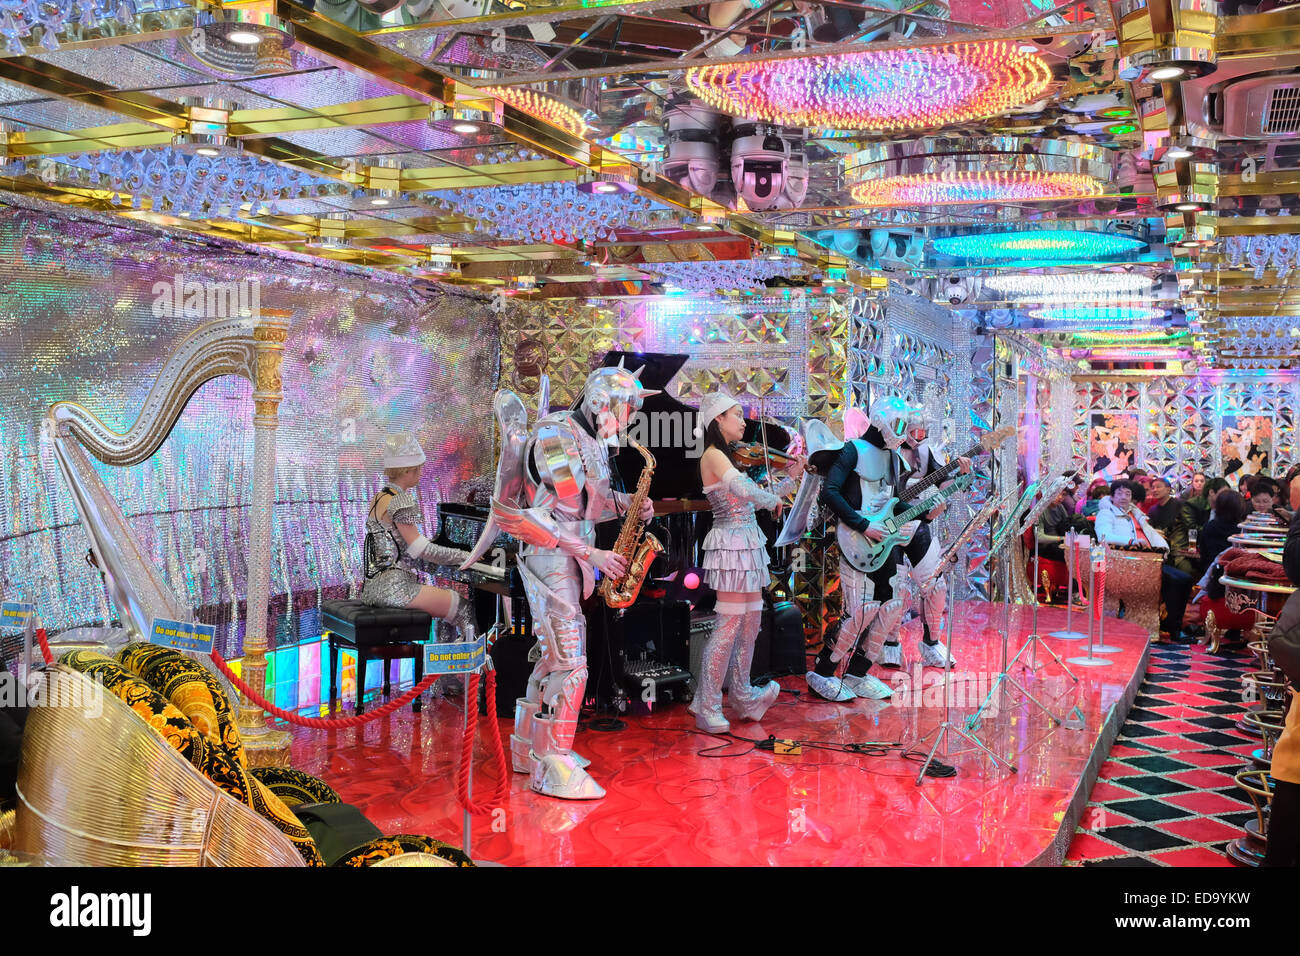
465 128
699 226
1165 73
379 201
607 182
1187 207
1178 152
604 188
465 122
241 41
207 151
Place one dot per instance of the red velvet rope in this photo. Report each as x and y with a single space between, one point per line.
467 744
321 723
45 646
1099 598
467 749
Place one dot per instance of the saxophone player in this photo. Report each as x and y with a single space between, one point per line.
552 489
736 566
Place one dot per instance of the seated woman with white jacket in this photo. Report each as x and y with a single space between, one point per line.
1120 522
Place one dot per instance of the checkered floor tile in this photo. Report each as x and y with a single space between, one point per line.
1166 795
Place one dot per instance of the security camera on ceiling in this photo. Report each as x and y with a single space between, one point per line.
760 162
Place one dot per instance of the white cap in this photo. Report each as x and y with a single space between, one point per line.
818 437
402 451
714 404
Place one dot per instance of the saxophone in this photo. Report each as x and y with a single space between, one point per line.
637 546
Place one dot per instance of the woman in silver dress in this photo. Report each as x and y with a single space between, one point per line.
394 546
735 566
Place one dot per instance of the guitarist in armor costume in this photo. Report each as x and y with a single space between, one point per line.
859 477
552 489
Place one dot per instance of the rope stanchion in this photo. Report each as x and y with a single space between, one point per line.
321 723
44 641
467 749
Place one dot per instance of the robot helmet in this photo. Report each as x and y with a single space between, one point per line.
894 416
614 392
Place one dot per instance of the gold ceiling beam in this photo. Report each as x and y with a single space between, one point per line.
284 119
37 75
1260 34
39 142
1250 225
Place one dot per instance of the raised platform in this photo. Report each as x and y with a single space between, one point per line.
677 797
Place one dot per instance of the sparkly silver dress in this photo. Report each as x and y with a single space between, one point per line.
390 571
735 552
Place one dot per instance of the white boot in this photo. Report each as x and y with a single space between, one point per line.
707 705
828 688
935 655
868 686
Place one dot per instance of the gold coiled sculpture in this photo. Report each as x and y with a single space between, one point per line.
98 787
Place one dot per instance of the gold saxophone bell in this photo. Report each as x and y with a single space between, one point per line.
637 546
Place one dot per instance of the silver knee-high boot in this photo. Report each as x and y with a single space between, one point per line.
750 702
707 705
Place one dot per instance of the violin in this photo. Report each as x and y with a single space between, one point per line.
752 455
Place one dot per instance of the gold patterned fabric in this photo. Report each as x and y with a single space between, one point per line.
383 848
209 758
191 687
295 787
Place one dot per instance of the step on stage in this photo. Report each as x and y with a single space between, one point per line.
678 797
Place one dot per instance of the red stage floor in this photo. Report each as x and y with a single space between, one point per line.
677 797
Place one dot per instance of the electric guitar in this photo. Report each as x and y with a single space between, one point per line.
867 555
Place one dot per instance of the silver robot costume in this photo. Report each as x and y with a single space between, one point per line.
735 563
552 489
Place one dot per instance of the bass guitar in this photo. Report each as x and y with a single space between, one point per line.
867 555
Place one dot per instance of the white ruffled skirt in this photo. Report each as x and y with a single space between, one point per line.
735 559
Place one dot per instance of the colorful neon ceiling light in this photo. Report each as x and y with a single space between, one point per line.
543 107
1046 244
878 89
1070 285
949 188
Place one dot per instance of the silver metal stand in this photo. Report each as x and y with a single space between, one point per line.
1090 660
1004 676
1035 641
1069 634
947 727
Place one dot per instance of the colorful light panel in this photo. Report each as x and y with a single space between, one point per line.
933 189
1085 315
878 89
543 107
1047 244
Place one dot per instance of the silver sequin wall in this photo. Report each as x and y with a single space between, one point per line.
365 355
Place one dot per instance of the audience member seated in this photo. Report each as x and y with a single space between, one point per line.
1169 516
1263 495
1121 524
1229 511
1195 500
1096 491
1053 523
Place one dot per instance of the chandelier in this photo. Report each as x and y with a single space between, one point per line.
947 188
197 187
18 17
878 90
549 212
1044 244
1282 252
1071 287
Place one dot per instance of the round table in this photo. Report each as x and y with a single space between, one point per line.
1243 594
1258 542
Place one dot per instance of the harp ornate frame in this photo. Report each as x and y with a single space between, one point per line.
252 348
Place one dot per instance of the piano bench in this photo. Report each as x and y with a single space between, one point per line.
387 633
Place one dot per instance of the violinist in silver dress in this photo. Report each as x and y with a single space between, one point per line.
736 567
395 548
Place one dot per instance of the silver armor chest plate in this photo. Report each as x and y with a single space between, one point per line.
574 467
875 469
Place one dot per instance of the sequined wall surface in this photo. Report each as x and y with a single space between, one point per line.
80 320
1181 421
